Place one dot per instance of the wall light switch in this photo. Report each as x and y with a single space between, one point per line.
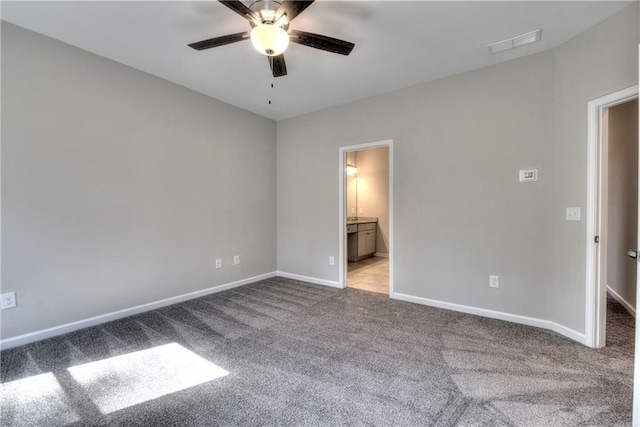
573 214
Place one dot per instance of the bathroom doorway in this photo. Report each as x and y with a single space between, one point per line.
612 215
366 217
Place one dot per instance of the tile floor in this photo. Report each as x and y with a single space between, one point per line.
371 274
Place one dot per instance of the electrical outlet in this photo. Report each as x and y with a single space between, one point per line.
8 300
494 281
236 260
332 260
218 262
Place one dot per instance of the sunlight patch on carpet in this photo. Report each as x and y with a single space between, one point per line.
123 381
36 400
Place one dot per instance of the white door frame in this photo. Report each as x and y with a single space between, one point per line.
342 171
596 292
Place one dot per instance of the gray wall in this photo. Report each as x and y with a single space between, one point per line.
602 60
460 212
622 229
119 188
459 208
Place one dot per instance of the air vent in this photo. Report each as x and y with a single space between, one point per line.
521 40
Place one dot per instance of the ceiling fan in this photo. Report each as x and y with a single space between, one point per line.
270 33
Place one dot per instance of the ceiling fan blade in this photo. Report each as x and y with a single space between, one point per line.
321 42
278 66
238 7
292 8
219 41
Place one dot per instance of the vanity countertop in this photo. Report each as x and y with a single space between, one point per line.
361 220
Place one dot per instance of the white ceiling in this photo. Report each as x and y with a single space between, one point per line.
398 43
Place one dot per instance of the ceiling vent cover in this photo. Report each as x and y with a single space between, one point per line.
517 41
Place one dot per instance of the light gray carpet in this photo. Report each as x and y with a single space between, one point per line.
280 352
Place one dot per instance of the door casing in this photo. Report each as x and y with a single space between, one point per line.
342 171
596 292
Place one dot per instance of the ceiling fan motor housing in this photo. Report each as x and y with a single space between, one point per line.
266 9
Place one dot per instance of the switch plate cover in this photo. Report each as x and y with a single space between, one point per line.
573 214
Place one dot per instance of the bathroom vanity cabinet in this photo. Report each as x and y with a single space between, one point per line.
361 240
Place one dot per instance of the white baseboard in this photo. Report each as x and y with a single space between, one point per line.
314 280
381 254
622 301
515 318
85 323
565 331
103 318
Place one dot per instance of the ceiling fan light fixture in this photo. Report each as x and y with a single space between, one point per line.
269 39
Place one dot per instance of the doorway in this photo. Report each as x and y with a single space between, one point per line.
612 210
620 135
366 217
